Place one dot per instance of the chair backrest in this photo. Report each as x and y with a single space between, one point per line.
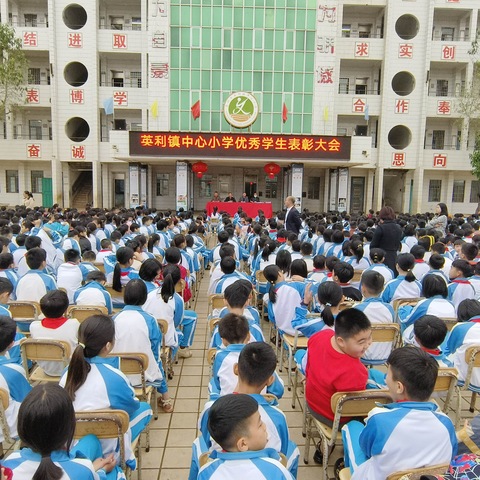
472 359
211 355
216 301
445 385
212 323
401 302
386 332
259 275
159 258
416 473
82 312
4 402
134 364
357 404
357 276
450 322
345 305
24 310
100 266
180 286
113 293
163 325
104 424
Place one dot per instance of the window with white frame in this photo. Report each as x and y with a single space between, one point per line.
271 187
434 190
458 194
206 190
12 181
36 181
162 184
475 191
313 192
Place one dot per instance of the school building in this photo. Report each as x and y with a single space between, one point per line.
346 104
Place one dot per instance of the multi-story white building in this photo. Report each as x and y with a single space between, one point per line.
387 73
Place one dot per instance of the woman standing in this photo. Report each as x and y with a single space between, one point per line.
440 220
28 200
387 236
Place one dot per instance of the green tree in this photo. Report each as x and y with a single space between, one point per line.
13 68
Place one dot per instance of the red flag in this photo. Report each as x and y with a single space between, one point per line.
284 113
196 110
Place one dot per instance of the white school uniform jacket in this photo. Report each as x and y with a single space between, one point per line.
400 288
383 270
420 269
93 293
289 296
70 277
261 465
172 312
18 254
436 305
56 329
137 331
228 279
34 285
14 381
430 433
460 289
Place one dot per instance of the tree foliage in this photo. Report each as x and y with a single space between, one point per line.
13 68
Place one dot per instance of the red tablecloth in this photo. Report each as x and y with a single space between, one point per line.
250 208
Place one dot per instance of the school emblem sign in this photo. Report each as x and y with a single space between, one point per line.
241 109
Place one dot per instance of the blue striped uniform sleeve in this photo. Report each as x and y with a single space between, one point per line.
17 383
154 334
456 337
179 310
120 393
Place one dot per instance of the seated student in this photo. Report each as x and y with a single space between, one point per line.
376 310
46 424
92 371
234 331
12 375
421 267
377 449
174 257
436 263
235 424
342 274
165 303
306 249
337 243
405 285
94 292
475 280
333 364
356 256
123 271
283 298
151 273
377 257
319 271
237 299
469 252
7 268
55 326
428 333
138 331
435 303
460 288
296 246
21 250
230 275
88 261
35 283
255 371
71 274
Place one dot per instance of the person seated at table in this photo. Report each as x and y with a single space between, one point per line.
244 198
230 198
255 198
216 197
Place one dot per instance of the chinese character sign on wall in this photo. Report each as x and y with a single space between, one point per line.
362 49
119 41
358 105
78 152
444 107
34 150
33 95
327 14
159 70
120 99
76 96
448 52
30 39
401 105
398 159
405 50
440 161
75 40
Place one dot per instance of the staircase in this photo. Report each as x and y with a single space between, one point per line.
82 191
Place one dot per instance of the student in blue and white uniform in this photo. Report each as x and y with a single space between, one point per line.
93 382
336 249
94 292
138 331
377 449
165 303
35 283
230 275
435 303
71 273
357 259
284 298
405 285
151 273
377 256
153 245
123 271
46 424
7 269
421 267
460 288
235 424
437 263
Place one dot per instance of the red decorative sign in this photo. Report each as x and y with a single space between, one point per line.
181 144
448 52
405 50
78 152
34 150
75 40
444 107
33 95
440 161
398 159
30 39
77 96
362 49
119 41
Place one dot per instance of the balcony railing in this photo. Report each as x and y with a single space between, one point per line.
351 91
455 146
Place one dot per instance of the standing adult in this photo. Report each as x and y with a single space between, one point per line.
293 222
440 220
28 199
387 236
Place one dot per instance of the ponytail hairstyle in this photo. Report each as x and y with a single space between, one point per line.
171 276
124 255
377 255
46 422
93 334
271 273
356 247
260 243
330 295
152 241
406 261
268 249
283 260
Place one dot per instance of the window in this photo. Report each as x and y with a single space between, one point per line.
271 186
361 130
343 85
458 195
30 19
346 30
361 86
438 139
475 191
12 181
364 31
313 188
447 34
33 76
136 127
442 88
136 23
35 129
206 186
434 190
136 79
162 184
36 181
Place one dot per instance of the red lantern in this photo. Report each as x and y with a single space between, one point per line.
272 169
199 168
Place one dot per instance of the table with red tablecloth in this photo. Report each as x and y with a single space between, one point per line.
250 208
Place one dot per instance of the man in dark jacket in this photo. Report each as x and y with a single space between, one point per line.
293 222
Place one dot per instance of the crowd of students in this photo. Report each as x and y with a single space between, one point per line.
156 259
